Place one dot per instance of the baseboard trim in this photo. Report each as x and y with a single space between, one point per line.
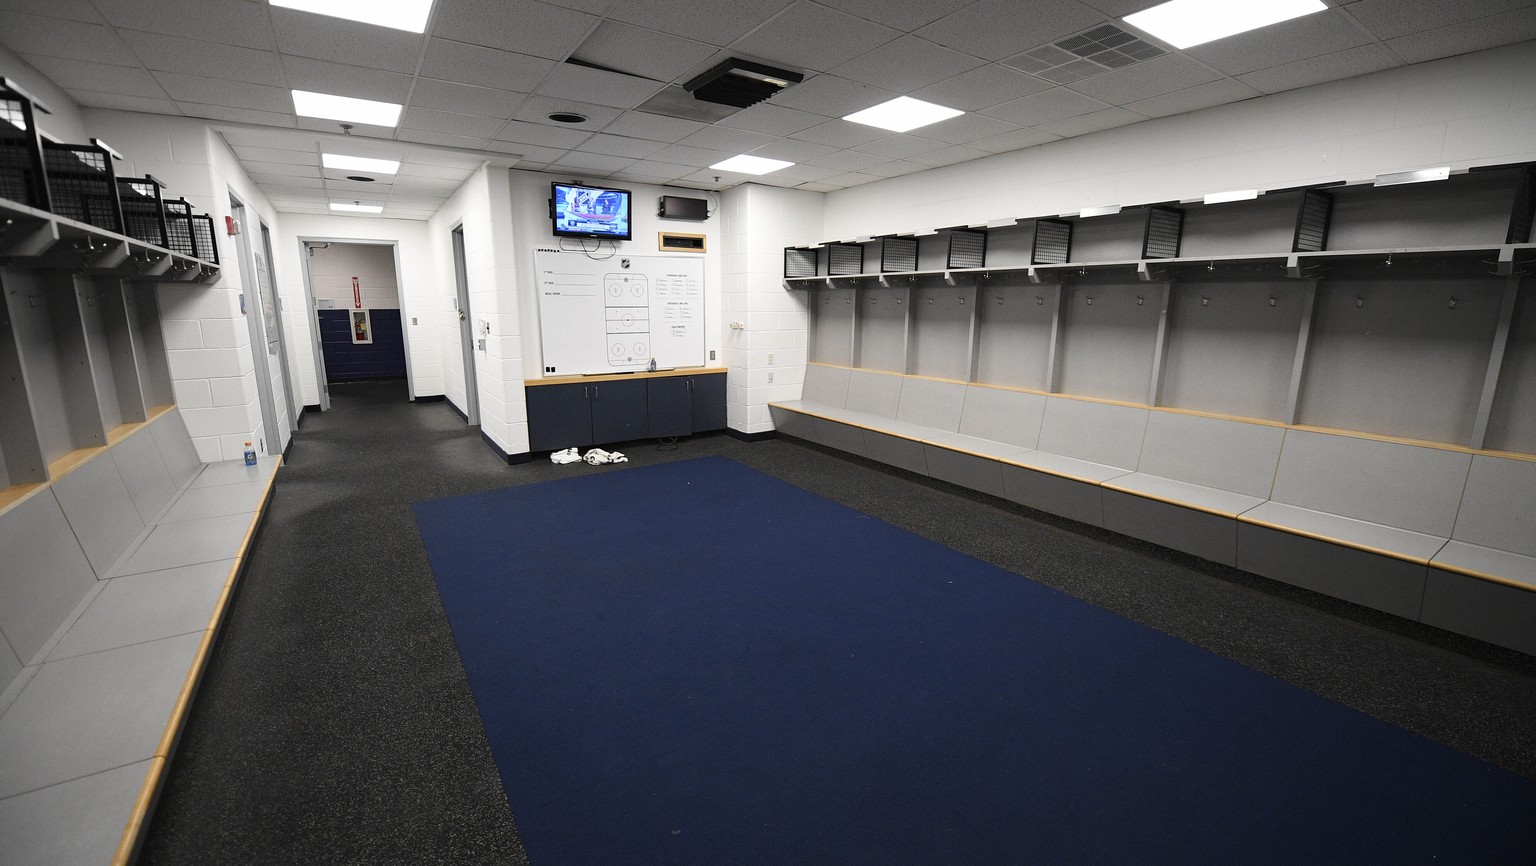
509 459
751 437
456 410
430 398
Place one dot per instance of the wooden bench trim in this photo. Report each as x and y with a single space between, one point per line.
1481 575
1233 515
1340 542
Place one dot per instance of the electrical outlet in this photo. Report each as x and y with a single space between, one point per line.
770 378
413 320
481 343
770 359
711 354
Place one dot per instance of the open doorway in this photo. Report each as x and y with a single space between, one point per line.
356 291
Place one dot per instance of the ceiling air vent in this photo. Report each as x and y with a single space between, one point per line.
1085 55
741 83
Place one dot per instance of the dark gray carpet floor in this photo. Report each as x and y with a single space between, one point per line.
334 723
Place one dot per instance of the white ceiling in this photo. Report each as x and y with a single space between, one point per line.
481 82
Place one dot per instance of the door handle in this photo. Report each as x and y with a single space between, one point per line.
462 317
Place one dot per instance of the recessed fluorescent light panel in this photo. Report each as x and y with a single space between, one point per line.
1106 210
1231 195
1186 23
902 114
357 208
359 163
1421 176
331 107
745 164
408 15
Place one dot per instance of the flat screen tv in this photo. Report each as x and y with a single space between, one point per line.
589 212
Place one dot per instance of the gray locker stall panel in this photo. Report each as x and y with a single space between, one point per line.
1232 344
874 393
896 451
1097 432
1498 508
832 326
977 473
176 448
827 386
1208 536
144 473
149 344
1010 246
1503 615
1013 331
45 320
1379 582
843 437
1013 417
882 329
1389 483
1463 210
1109 338
1264 225
21 457
46 573
1112 238
1382 341
1053 494
931 404
1212 452
1512 423
941 330
791 423
98 354
100 510
112 301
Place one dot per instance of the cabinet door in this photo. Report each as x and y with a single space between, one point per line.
559 416
708 402
670 402
618 411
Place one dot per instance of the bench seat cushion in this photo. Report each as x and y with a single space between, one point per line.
977 446
1211 500
1478 561
1067 467
1404 544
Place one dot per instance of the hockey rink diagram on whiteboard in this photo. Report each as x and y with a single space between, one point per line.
616 313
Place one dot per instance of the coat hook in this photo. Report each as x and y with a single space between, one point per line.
1204 301
1359 303
962 302
1140 300
1090 301
1082 272
1389 260
999 299
1211 267
930 300
1039 301
1453 302
1272 300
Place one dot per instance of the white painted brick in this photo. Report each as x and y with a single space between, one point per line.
205 363
192 394
233 391
208 449
182 334
216 421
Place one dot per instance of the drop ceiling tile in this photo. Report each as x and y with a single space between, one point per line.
844 181
982 87
772 119
730 140
1014 140
818 187
618 145
801 172
446 139
285 181
895 168
682 154
638 51
904 15
355 145
55 37
907 64
465 99
228 23
706 178
964 129
441 172
124 102
73 75
522 26
536 109
715 22
1122 8
272 154
641 124
278 139
847 160
69 10
543 135
351 188
1195 98
430 156
1495 30
902 145
841 133
461 62
1098 121
1301 38
1051 105
830 96
810 36
211 60
595 161
1315 70
1145 80
776 179
790 150
657 168
453 123
596 86
994 29
359 131
948 156
525 153
282 169
322 76
1390 19
325 38
230 94
413 185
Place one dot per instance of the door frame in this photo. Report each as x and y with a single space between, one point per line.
309 297
466 326
274 440
295 402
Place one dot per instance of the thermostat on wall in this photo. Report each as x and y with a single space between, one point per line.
678 242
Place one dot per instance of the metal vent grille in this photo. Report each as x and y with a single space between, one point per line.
1165 231
1085 55
1312 222
845 260
1524 212
799 263
967 249
898 254
1053 243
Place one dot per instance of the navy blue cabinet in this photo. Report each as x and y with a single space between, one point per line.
605 410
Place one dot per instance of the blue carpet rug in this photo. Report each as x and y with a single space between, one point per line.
696 663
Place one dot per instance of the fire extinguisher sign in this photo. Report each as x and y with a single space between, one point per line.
357 295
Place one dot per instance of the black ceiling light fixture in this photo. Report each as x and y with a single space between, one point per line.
741 83
360 178
567 117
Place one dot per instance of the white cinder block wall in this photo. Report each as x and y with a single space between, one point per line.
1475 109
331 270
767 356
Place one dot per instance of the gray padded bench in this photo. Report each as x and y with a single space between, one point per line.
1437 534
113 581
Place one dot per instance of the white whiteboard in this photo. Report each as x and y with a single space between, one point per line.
616 314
